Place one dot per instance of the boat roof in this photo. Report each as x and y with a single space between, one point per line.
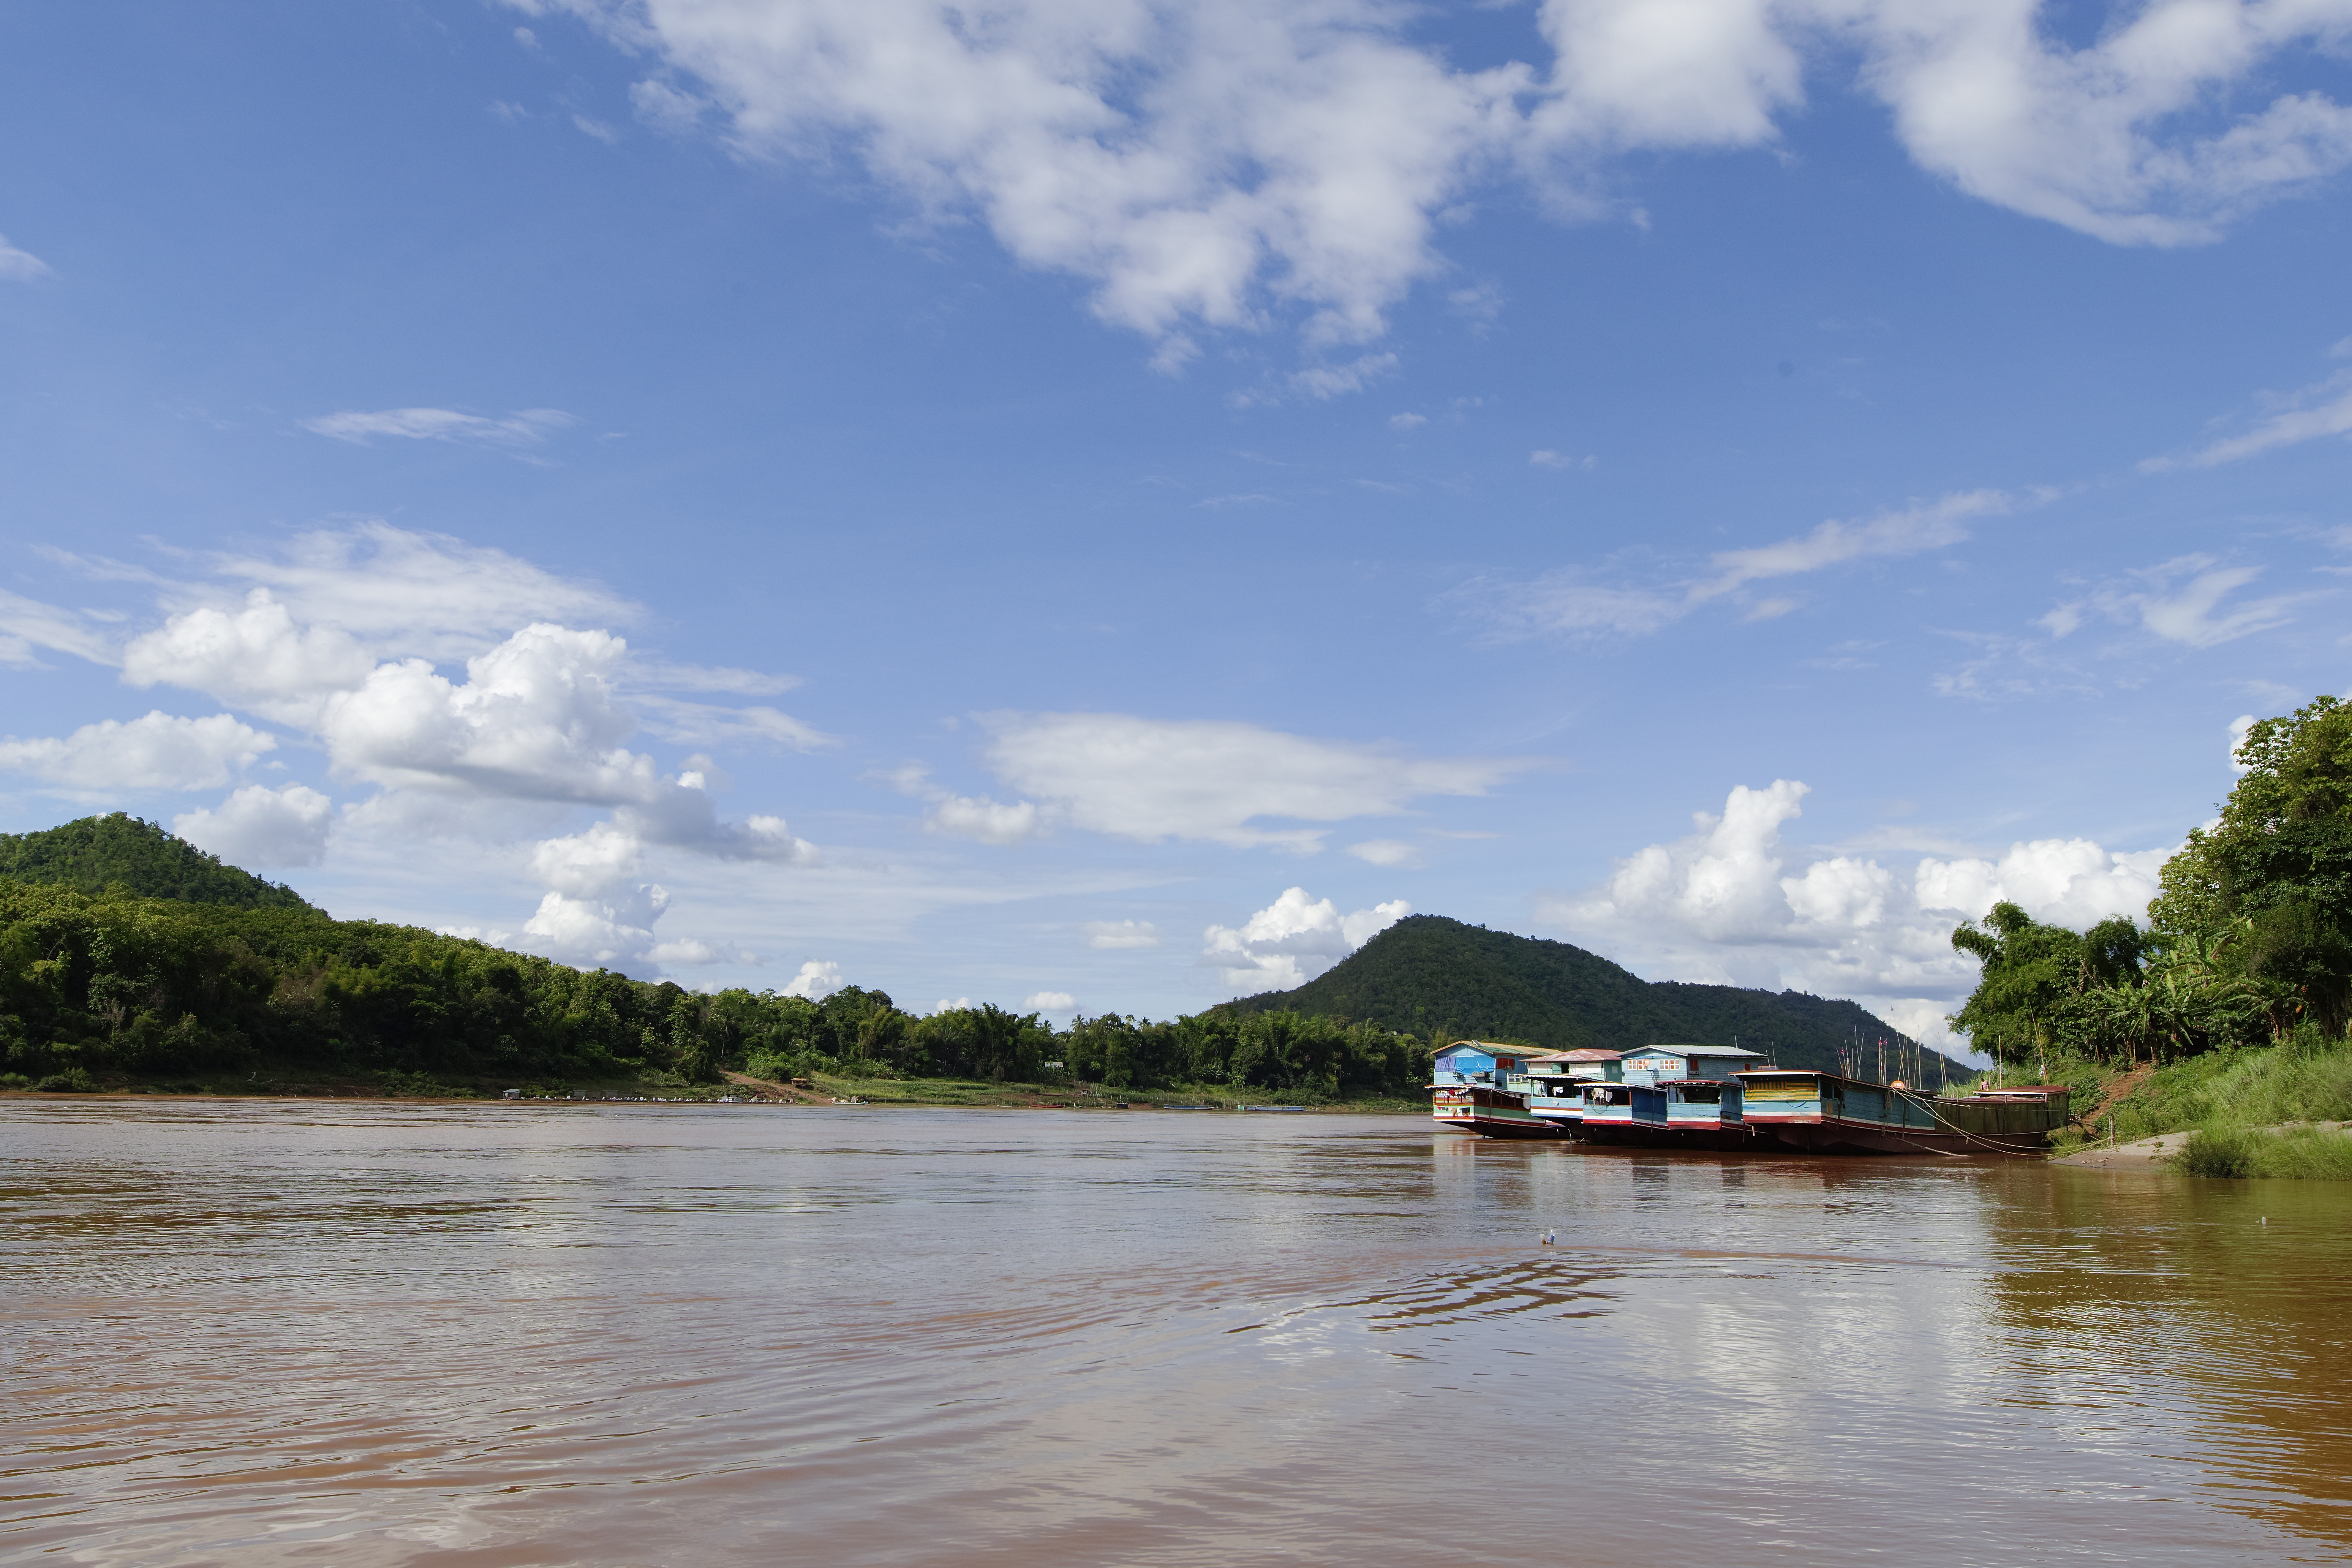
1700 1051
1490 1047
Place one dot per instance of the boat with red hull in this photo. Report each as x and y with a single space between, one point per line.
1491 1113
1827 1113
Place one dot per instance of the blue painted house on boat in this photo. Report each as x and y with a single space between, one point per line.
1671 1064
1480 1061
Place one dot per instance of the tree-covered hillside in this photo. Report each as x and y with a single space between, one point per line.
1443 979
105 989
98 852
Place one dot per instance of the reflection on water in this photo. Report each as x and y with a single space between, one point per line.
557 1334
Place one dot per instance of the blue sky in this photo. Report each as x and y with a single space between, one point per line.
987 507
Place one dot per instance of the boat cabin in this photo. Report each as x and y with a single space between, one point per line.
1478 1062
1582 1064
1669 1064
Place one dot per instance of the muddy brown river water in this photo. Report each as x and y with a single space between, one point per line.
266 1333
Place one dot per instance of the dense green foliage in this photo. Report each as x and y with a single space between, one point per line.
100 852
107 987
2249 940
1444 980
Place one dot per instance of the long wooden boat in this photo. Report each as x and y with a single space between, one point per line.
1482 1109
1681 1113
1827 1113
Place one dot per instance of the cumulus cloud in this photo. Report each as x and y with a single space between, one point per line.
818 979
259 828
1293 939
1572 603
255 656
1048 1002
529 427
343 635
1207 165
1118 934
1210 780
20 266
156 752
1734 903
944 1006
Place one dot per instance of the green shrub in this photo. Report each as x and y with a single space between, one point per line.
73 1080
2307 1154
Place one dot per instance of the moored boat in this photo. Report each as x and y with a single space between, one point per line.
1681 1114
1472 1092
1828 1113
1489 1111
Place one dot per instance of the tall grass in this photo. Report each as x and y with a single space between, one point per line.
2231 1099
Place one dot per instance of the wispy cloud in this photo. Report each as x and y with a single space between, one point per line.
2318 411
1572 603
20 266
526 428
1917 527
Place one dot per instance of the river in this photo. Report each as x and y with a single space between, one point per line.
255 1334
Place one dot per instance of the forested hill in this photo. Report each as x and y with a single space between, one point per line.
1440 978
97 852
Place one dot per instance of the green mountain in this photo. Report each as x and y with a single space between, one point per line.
1441 978
97 852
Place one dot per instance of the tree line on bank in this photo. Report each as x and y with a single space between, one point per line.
2249 940
109 985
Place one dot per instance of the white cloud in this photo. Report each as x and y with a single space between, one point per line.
1545 458
2181 601
156 752
404 593
2311 415
708 723
1048 1002
2239 726
989 821
1727 906
1386 852
1921 526
257 827
1293 939
1407 421
818 979
1569 603
1324 383
1207 165
1213 780
340 635
1118 934
20 266
255 657
528 428
944 1006
27 624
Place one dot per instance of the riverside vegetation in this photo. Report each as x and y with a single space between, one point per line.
225 983
2226 1013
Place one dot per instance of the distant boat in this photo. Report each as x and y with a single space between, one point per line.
1299 1108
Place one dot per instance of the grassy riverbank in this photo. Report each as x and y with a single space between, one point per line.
2246 1112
